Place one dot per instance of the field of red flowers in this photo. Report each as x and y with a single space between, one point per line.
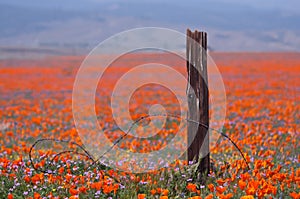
262 118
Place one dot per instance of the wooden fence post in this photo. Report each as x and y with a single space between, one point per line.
198 97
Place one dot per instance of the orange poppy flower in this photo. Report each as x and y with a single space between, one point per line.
141 196
220 190
211 187
163 197
247 197
295 195
210 196
153 191
242 184
73 191
10 196
165 192
191 187
36 195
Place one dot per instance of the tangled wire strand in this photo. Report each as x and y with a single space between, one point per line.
94 162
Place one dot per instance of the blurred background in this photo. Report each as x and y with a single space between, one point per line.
66 27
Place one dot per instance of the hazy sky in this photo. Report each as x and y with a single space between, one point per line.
283 5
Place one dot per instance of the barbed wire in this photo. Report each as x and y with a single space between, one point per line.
95 161
86 153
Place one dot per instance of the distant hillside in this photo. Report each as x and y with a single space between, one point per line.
81 24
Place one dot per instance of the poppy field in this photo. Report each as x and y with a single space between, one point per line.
262 118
